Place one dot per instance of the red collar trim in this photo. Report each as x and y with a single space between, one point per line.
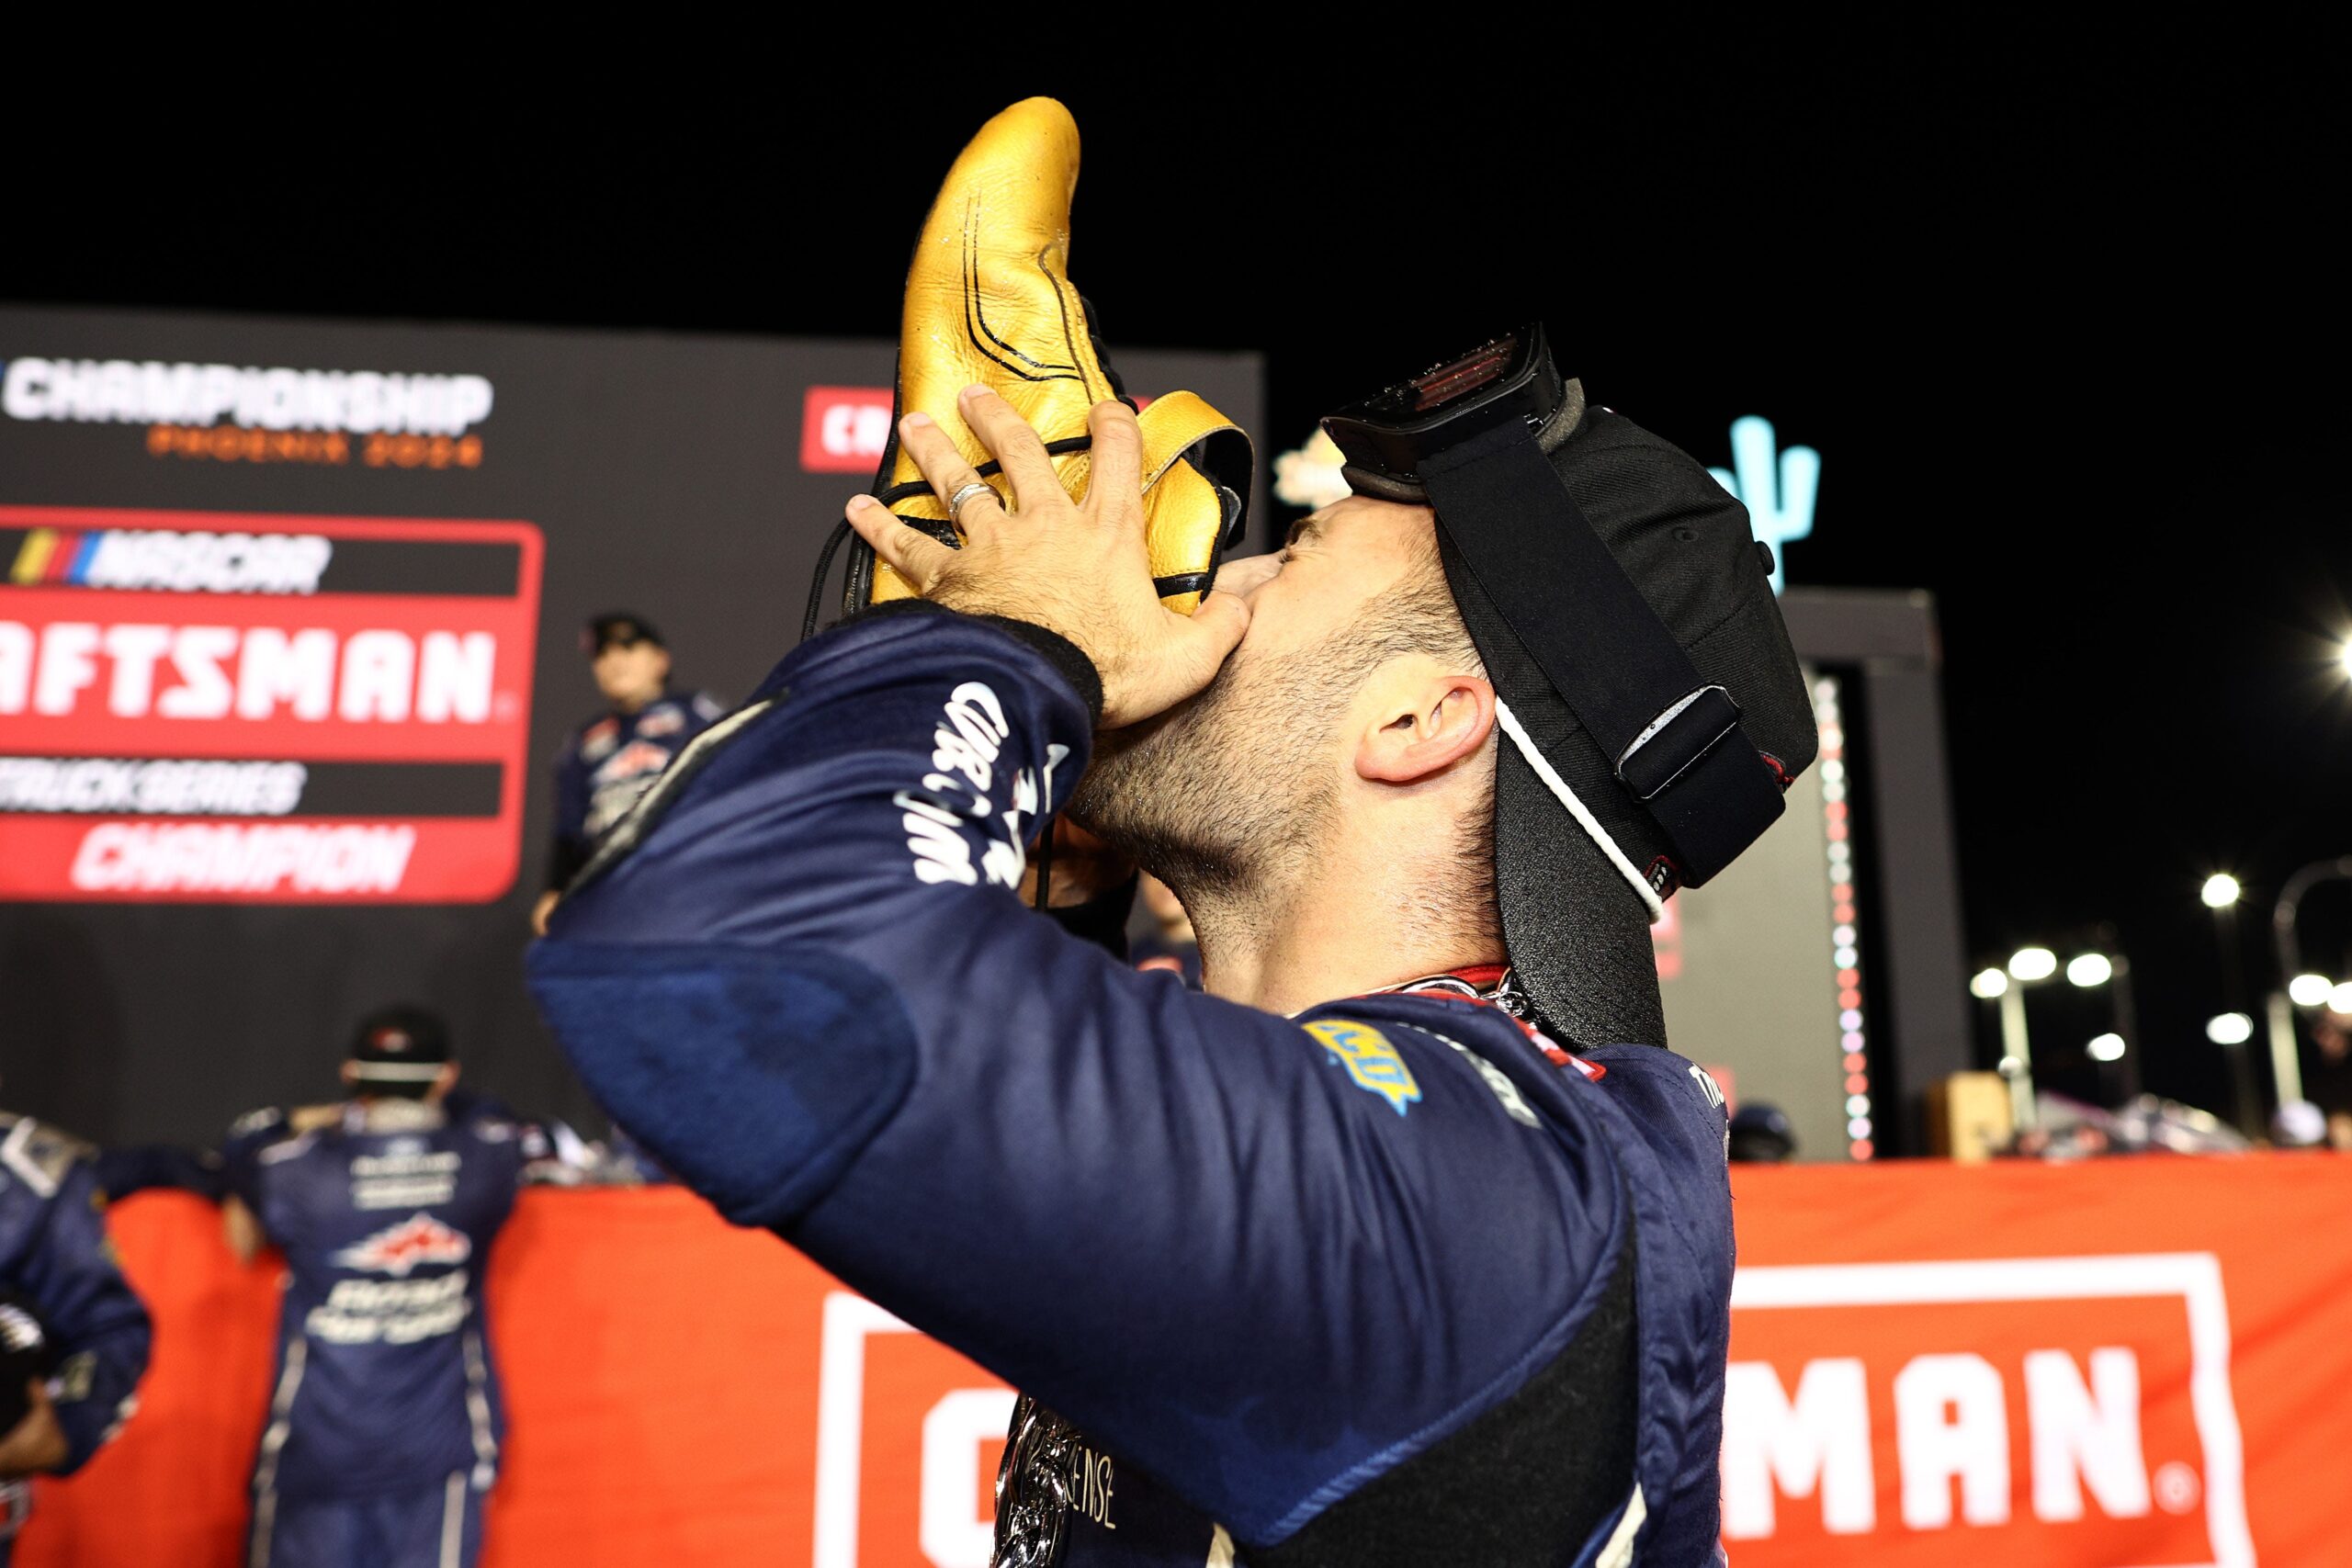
1483 978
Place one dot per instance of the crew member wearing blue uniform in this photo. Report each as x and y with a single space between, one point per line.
58 1267
1377 1252
614 758
385 1421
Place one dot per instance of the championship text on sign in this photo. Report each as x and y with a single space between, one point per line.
212 708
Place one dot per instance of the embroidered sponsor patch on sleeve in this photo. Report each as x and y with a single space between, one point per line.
1369 1058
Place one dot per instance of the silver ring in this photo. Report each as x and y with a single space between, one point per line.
964 493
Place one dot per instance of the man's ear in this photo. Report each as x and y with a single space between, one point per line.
350 1073
1448 717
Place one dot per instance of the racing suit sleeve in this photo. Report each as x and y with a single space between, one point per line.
100 1328
569 852
799 975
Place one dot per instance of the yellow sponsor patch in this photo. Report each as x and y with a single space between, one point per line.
1369 1058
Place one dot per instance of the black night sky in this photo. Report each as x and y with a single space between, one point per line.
2065 321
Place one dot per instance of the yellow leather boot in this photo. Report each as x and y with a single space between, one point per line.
990 301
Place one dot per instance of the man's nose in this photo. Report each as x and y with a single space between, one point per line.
1244 577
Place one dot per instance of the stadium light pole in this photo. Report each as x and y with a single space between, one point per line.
2027 966
2222 894
2286 1046
2105 968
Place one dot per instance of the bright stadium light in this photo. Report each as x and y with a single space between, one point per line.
2344 657
1987 984
2090 969
2032 963
2340 999
2106 1048
2221 890
2228 1029
2309 990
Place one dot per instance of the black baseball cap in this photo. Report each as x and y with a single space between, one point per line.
618 627
1761 1134
399 1045
1582 861
1579 940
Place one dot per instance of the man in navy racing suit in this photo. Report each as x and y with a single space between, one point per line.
57 1264
385 1420
1341 1262
612 759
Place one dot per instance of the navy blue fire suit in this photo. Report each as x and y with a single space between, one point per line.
1384 1282
610 760
385 1419
54 1254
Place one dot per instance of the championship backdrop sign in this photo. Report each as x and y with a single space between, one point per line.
289 622
220 707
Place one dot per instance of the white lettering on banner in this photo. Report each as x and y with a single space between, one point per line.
122 391
2086 1434
1952 1409
855 430
16 665
204 857
1950 1423
952 1534
65 665
298 671
1819 1441
157 787
377 670
198 653
377 676
454 677
163 561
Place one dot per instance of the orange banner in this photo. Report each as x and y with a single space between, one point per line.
2137 1363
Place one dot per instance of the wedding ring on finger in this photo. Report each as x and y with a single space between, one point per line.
964 493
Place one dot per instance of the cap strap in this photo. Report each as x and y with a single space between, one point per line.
1599 644
1576 808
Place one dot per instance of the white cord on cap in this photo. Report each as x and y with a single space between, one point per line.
1585 819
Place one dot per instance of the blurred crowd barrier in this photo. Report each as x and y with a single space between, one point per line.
2133 1361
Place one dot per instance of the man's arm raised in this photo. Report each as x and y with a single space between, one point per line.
801 976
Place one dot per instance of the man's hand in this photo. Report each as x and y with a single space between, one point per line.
37 1442
1077 569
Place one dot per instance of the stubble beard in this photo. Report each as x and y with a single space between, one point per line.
1220 797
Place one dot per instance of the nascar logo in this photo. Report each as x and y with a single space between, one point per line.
170 561
414 1243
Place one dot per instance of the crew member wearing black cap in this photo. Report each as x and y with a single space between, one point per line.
610 760
1405 1243
385 1420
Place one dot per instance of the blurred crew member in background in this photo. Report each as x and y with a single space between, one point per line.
1761 1135
614 758
385 1423
73 1338
2328 1081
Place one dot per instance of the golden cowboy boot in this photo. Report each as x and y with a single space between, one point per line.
989 300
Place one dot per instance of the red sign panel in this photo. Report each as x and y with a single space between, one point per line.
226 708
2078 1408
845 429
